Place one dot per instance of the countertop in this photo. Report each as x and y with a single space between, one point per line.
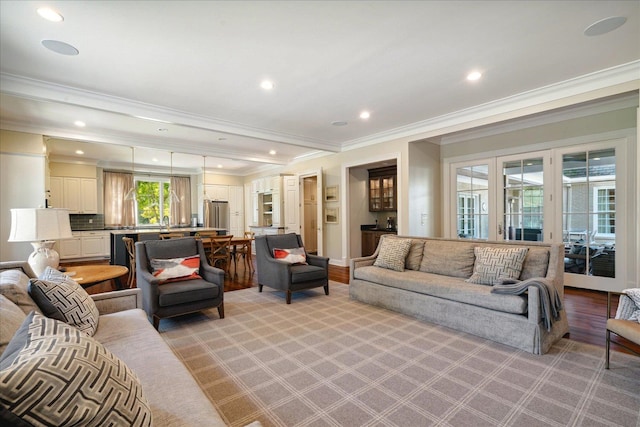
265 226
124 231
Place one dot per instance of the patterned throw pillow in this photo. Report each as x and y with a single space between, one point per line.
393 252
176 269
495 264
291 255
629 305
60 297
53 374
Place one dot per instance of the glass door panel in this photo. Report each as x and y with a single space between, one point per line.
472 195
589 212
523 196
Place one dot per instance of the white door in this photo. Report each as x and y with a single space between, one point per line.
291 199
524 207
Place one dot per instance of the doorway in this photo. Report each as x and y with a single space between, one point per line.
310 213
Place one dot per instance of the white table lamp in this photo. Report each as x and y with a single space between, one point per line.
41 227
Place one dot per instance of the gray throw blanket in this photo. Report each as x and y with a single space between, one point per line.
550 302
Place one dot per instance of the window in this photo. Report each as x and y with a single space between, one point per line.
472 196
605 208
153 201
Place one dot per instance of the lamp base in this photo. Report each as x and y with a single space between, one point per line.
43 256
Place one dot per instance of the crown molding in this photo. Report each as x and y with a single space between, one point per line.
599 84
39 90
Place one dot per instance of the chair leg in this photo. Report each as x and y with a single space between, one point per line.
259 287
289 296
326 289
606 363
156 322
221 310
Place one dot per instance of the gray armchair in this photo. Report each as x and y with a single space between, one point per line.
177 297
288 277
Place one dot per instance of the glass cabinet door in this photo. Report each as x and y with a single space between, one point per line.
375 198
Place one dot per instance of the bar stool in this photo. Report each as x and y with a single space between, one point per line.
131 250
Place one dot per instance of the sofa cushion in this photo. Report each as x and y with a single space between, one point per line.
536 263
291 255
493 265
53 374
446 287
173 269
393 253
62 298
14 285
11 317
448 258
173 293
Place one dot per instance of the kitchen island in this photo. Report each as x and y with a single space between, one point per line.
119 254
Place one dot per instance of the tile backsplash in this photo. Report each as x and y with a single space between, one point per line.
81 222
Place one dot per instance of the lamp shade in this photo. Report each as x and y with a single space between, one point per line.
33 225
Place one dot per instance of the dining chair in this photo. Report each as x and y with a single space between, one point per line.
243 250
129 244
220 251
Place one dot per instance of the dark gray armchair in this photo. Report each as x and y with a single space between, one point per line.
178 297
288 277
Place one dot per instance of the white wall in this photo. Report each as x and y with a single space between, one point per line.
22 179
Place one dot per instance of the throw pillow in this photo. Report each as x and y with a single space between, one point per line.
291 255
629 305
448 258
14 285
11 317
493 265
176 269
392 254
62 298
414 257
53 374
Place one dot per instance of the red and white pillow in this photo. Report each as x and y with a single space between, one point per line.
176 269
292 255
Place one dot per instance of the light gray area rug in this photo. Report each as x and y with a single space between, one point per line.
330 361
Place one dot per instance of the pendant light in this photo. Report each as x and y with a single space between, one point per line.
173 196
131 194
204 178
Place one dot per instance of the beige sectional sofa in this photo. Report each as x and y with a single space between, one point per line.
174 397
434 287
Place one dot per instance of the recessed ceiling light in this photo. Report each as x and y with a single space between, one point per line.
266 85
604 26
60 47
219 166
272 152
79 152
79 123
339 123
365 115
474 75
155 159
50 14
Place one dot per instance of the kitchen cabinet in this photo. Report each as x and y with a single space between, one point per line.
85 244
217 192
370 240
383 189
236 210
79 195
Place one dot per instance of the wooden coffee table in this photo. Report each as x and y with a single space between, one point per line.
89 275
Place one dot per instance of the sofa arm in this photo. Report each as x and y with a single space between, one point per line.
112 302
534 312
361 262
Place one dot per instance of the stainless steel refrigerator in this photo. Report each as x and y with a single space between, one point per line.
216 214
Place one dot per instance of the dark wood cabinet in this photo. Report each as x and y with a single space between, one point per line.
383 189
370 240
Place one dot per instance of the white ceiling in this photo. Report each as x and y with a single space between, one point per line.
197 67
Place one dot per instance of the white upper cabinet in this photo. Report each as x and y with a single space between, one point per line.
79 195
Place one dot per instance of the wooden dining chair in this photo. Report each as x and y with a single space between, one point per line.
220 251
129 244
244 250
